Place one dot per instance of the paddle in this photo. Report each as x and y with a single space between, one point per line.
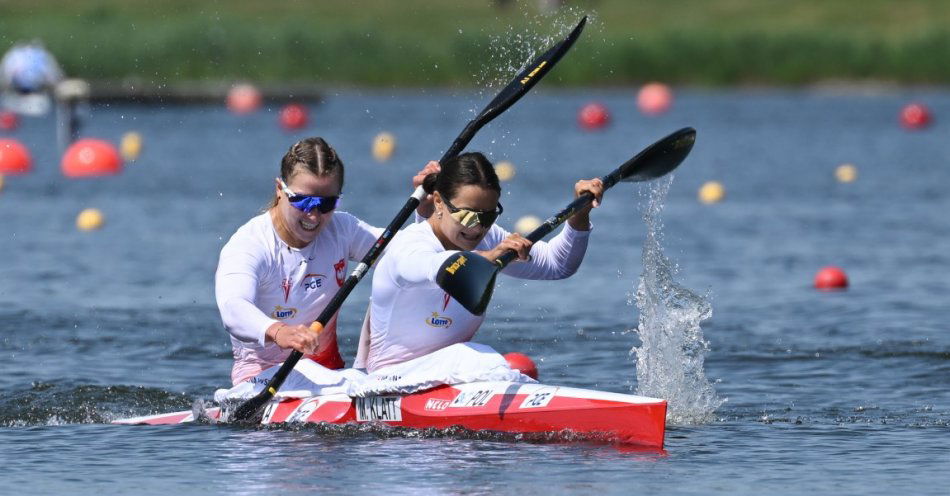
252 409
470 278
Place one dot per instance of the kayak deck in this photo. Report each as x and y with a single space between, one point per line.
495 406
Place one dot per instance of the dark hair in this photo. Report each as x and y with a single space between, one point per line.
314 155
465 169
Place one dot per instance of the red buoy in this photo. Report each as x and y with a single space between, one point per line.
654 98
915 116
91 158
593 116
243 99
8 121
523 364
829 278
293 116
14 158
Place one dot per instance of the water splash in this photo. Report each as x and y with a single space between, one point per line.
44 403
509 51
672 351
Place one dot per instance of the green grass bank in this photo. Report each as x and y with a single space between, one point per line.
437 43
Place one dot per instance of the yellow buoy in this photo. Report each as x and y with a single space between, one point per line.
846 173
505 170
711 192
1 182
131 146
384 144
89 219
527 224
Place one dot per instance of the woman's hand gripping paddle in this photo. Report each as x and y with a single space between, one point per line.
252 409
470 278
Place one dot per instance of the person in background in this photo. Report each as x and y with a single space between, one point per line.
29 68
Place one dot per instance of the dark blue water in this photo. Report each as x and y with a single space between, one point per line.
844 392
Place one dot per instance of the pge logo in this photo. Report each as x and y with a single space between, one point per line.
281 313
312 282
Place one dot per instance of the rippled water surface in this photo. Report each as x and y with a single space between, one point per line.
843 392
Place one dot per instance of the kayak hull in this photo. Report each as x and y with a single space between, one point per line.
491 406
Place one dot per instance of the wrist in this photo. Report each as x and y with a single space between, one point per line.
271 333
579 222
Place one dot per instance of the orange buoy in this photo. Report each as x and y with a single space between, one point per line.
593 116
14 158
654 98
8 121
293 116
523 364
91 158
831 277
243 99
915 116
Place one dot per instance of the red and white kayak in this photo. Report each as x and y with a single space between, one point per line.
494 406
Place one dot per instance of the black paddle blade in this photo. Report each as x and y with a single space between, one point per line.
470 279
532 73
660 158
252 410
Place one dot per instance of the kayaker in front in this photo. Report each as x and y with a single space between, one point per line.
412 318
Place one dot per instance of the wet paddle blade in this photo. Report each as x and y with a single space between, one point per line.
470 279
252 410
533 72
660 158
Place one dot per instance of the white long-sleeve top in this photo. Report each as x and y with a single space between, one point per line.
261 280
412 316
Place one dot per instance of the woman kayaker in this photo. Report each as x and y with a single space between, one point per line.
411 315
280 269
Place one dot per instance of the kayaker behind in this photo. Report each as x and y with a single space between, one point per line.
411 315
280 269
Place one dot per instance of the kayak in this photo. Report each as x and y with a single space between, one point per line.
491 406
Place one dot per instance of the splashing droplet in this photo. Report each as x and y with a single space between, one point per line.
672 351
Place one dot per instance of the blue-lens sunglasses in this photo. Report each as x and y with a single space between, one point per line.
306 203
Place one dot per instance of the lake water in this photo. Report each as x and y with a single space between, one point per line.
830 392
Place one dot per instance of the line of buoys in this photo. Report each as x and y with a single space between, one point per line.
384 144
293 116
91 158
527 224
243 99
654 98
915 116
711 192
130 146
8 121
593 116
505 170
522 363
14 157
831 278
846 173
89 219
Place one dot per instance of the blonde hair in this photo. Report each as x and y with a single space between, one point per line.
315 156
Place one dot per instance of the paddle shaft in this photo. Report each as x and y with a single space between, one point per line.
557 219
523 82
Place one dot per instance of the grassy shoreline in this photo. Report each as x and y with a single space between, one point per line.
379 43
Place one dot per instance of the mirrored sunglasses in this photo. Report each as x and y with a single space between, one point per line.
472 218
306 203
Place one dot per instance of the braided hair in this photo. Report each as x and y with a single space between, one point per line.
315 156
